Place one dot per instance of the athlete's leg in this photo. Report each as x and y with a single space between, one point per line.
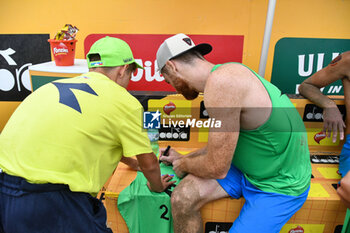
264 211
187 199
193 192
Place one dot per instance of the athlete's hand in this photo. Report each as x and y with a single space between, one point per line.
178 168
172 156
344 190
165 182
333 122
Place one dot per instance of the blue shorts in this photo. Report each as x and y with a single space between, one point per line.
344 157
262 211
42 208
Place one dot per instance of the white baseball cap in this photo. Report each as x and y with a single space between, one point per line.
177 45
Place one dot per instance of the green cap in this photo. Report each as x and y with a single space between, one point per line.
112 51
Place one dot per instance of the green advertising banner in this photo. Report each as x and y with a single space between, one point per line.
296 59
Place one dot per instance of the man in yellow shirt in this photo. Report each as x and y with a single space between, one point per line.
65 140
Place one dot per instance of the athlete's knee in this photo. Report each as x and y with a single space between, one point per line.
182 199
185 196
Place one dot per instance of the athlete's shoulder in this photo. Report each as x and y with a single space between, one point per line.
231 71
338 68
229 66
226 86
230 76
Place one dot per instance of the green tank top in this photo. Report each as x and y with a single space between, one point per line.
275 157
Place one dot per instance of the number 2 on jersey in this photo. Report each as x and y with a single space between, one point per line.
165 212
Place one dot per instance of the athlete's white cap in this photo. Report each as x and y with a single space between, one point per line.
177 45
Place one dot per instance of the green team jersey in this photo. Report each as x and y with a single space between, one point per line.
145 211
275 157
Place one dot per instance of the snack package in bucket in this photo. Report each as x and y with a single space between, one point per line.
63 45
68 32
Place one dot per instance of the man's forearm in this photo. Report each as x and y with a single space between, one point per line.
316 96
201 167
153 176
195 157
149 165
199 152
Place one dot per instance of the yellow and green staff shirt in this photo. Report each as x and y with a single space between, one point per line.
73 131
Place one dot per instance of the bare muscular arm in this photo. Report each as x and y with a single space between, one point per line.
149 166
132 163
174 155
226 107
338 69
198 152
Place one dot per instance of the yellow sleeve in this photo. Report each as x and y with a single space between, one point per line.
132 136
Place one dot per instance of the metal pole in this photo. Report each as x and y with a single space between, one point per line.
267 36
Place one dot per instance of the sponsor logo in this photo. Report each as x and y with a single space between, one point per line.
98 63
296 59
217 227
298 229
316 137
170 107
15 58
174 134
325 159
151 120
194 123
203 111
127 60
188 41
60 51
313 113
319 136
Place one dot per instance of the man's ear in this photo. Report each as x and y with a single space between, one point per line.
172 66
122 70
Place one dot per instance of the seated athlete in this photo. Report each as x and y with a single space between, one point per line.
260 153
338 69
65 140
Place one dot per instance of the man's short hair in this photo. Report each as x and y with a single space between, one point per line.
187 58
132 67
